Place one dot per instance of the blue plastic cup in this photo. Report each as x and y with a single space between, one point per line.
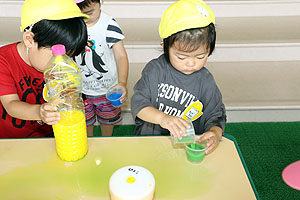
114 95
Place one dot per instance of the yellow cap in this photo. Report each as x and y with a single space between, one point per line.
183 15
35 10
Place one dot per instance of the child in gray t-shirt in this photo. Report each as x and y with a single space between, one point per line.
176 86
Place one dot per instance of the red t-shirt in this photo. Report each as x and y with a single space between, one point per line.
17 77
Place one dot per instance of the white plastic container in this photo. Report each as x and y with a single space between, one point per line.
132 183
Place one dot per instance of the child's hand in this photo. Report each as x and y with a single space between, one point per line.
213 138
48 113
174 125
124 95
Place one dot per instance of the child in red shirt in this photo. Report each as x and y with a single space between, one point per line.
44 23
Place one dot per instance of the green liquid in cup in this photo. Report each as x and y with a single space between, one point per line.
185 139
195 156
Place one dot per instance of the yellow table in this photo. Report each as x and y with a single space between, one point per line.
30 169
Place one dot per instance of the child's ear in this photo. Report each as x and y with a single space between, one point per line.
162 43
28 39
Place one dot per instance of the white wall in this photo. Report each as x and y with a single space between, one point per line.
256 62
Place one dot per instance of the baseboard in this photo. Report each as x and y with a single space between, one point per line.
263 114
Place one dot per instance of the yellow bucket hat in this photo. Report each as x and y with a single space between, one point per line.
183 15
35 10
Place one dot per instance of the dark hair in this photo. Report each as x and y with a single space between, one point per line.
70 32
86 3
191 39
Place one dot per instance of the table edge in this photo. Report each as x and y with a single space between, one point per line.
230 137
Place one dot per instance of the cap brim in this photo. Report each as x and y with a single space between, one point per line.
68 15
60 16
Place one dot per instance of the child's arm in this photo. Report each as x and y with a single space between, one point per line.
213 137
173 123
215 116
26 111
122 65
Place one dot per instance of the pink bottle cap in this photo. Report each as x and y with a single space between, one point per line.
78 1
291 175
58 49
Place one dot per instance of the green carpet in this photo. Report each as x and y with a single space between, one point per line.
267 149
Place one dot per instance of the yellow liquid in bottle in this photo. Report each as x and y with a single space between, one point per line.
71 136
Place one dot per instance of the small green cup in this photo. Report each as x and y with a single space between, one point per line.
196 151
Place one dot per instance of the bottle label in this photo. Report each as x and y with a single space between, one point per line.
45 93
62 80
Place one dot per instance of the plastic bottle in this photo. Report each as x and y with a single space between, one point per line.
64 84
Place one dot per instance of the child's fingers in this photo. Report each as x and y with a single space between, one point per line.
183 125
51 122
175 132
48 115
207 136
186 124
210 149
212 144
123 98
211 141
52 106
175 125
51 116
178 133
51 119
182 130
49 107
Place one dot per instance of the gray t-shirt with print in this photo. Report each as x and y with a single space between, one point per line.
169 90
